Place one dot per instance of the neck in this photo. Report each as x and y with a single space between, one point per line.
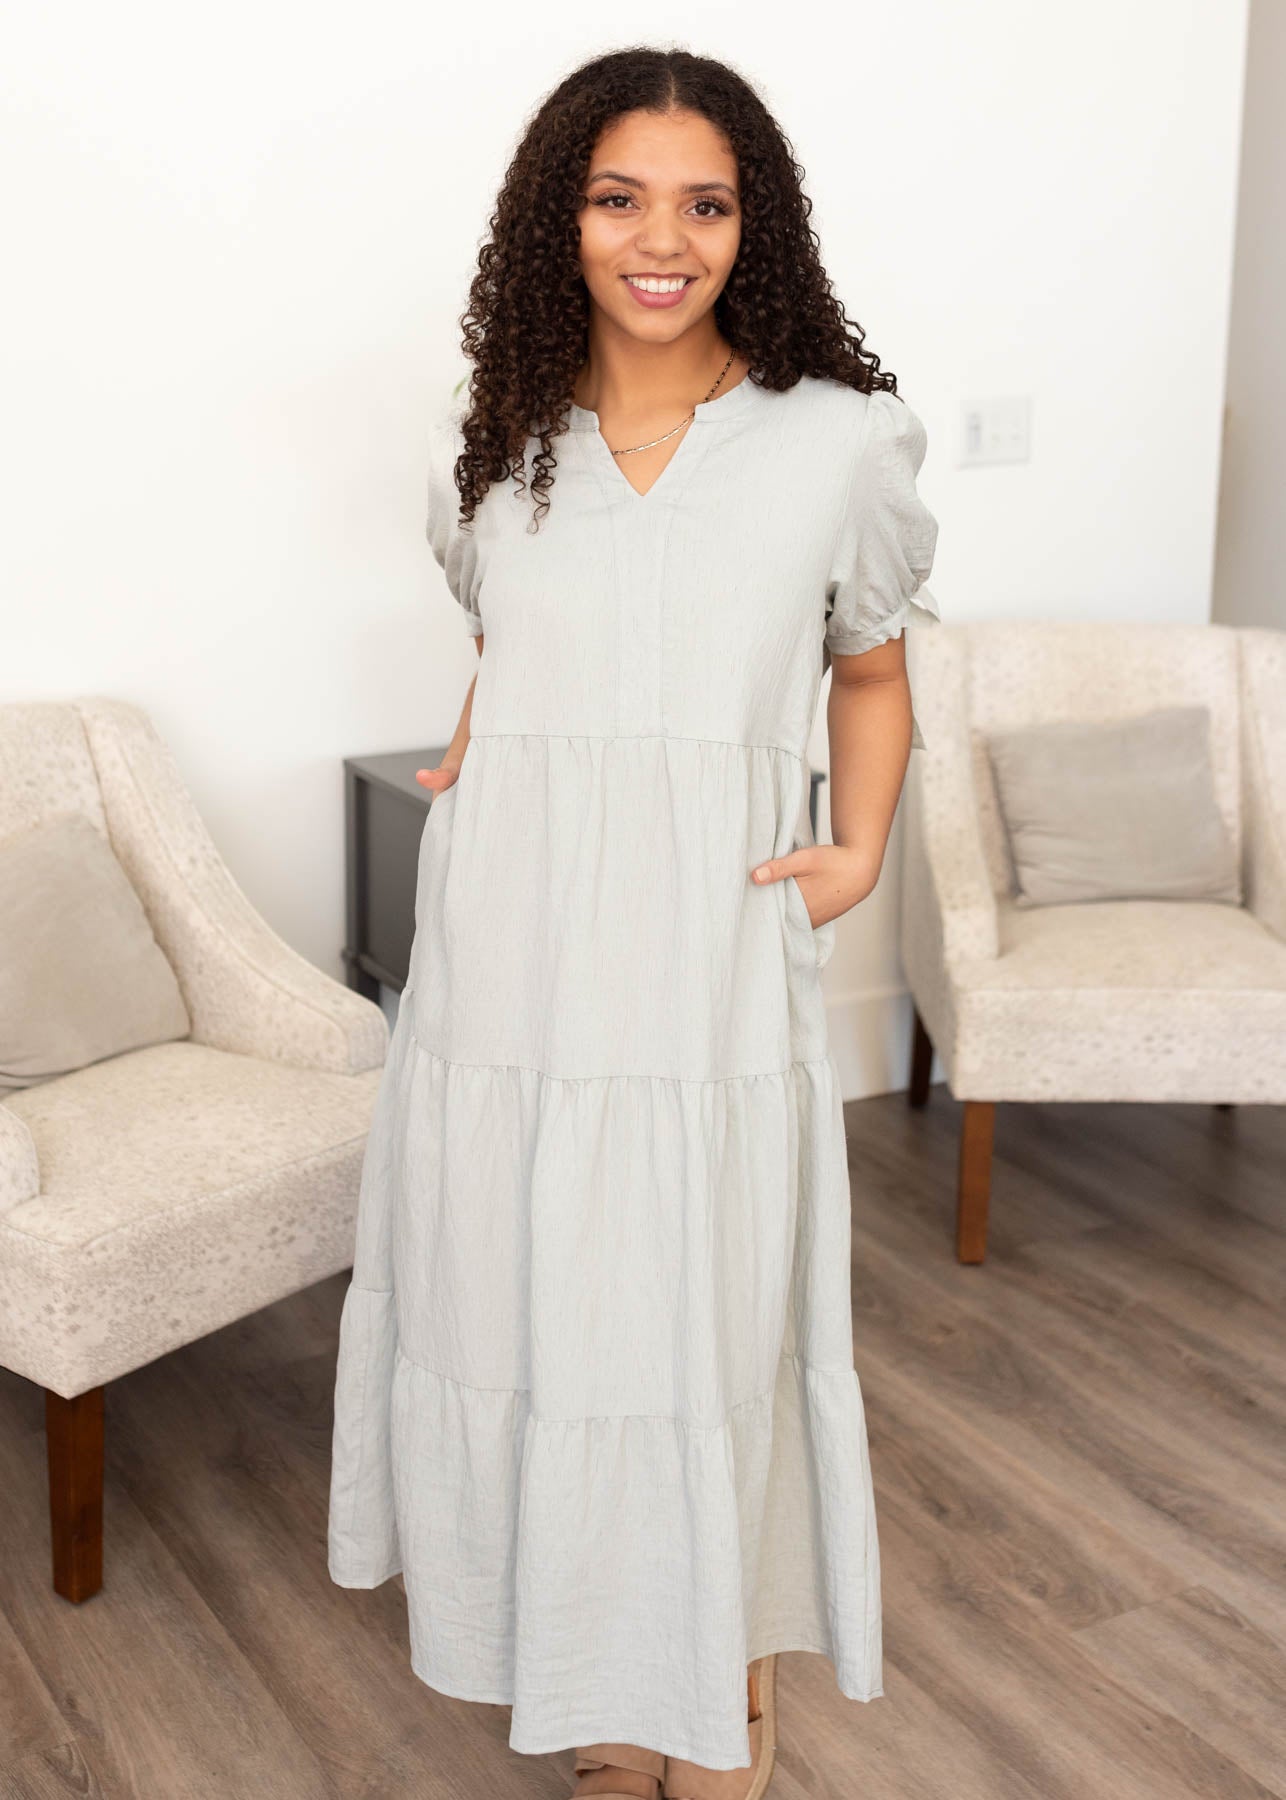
629 380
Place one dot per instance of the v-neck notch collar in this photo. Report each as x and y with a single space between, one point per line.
689 450
708 412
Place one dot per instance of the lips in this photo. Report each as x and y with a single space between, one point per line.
664 297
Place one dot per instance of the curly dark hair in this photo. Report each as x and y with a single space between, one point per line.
527 322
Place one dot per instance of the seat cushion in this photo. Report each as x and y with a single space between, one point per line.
1124 1000
181 1187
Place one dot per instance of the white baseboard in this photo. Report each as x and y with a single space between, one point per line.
870 1036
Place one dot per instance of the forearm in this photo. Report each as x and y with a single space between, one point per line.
449 768
460 736
869 726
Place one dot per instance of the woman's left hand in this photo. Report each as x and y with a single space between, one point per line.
831 878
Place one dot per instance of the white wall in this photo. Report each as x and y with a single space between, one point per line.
1250 577
238 243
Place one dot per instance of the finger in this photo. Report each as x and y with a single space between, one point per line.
777 867
435 778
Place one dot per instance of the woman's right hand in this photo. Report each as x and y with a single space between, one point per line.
438 779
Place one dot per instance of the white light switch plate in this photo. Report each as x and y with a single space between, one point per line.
995 431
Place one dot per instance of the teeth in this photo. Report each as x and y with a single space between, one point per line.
651 285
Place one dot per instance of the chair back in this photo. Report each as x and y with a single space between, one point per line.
48 766
1005 673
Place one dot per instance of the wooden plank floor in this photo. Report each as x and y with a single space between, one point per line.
1080 1456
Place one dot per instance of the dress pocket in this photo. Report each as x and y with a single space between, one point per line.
816 941
430 874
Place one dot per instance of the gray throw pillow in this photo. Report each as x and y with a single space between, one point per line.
81 975
1115 809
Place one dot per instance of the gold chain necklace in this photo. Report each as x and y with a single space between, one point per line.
682 422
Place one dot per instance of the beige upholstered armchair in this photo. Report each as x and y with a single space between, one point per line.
1136 1000
153 1196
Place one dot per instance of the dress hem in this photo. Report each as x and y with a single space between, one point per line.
615 1730
364 1583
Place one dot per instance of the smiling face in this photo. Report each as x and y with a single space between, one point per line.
661 223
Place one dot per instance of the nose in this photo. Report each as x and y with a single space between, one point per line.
664 236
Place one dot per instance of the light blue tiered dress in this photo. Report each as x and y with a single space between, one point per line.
596 1397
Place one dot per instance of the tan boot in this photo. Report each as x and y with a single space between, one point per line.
690 1781
619 1756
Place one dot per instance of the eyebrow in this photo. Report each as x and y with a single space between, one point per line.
690 187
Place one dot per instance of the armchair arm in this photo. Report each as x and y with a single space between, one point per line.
1263 753
246 989
19 1168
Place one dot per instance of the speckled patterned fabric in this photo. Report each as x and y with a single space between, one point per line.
154 1196
19 1169
246 990
1105 1000
180 1187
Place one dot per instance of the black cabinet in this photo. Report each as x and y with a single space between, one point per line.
384 812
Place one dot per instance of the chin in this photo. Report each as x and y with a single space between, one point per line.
649 327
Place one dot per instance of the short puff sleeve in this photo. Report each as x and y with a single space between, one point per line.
887 539
455 551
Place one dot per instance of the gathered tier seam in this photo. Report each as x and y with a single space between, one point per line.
801 1062
642 737
476 1387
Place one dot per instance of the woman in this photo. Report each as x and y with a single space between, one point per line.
596 1396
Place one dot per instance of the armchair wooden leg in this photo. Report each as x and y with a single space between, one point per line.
74 1439
974 1191
921 1062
